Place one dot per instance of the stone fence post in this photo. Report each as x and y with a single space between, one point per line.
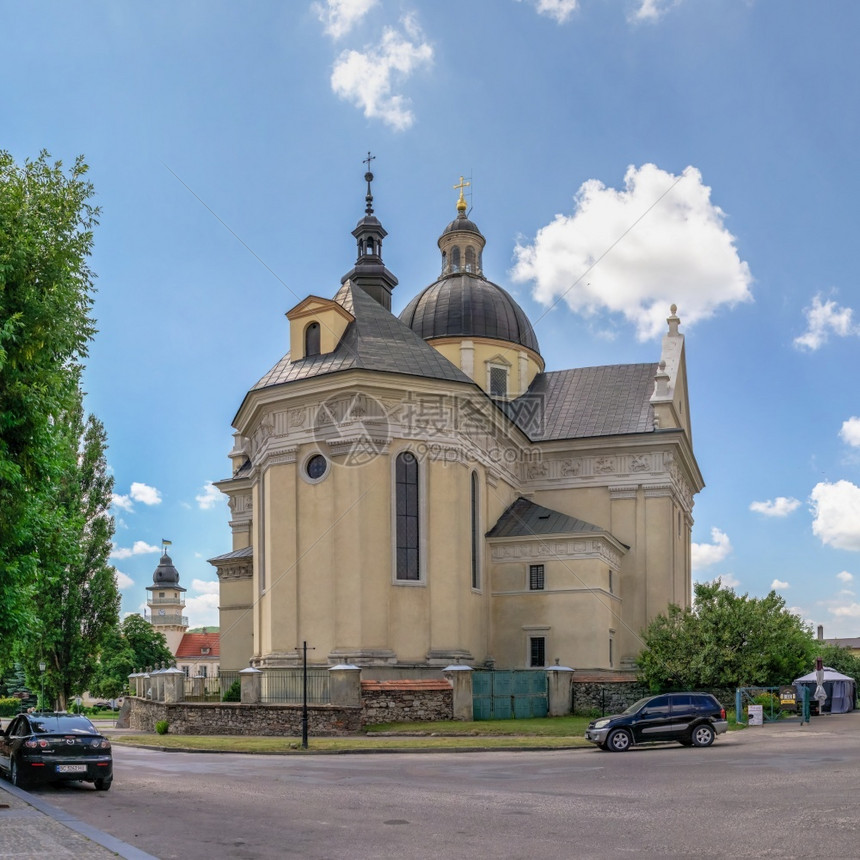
158 684
174 685
460 678
559 681
344 683
251 682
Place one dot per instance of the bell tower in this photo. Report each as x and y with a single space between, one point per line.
166 601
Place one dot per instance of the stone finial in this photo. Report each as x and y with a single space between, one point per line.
674 321
661 382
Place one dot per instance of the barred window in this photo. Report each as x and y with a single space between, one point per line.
499 381
536 577
537 651
407 516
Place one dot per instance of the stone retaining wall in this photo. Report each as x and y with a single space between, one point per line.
406 701
613 696
232 718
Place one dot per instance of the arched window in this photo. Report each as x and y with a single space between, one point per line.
407 517
312 339
476 573
470 259
455 258
369 248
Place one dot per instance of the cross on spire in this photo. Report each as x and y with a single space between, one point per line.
368 208
461 203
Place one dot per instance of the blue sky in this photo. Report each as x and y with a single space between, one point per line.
623 156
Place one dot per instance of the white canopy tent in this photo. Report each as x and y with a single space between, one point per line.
841 690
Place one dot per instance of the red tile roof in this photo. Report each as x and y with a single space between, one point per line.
193 644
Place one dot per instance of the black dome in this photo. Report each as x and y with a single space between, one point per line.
165 573
466 305
462 224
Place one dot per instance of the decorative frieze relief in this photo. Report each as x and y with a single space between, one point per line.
240 503
547 550
232 571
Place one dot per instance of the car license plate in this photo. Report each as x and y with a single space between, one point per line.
71 768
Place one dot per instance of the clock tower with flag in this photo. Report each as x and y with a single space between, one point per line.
166 600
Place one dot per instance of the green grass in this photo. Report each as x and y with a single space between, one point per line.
221 743
547 727
555 732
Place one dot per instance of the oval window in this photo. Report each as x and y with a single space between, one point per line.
316 467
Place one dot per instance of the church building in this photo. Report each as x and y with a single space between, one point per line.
413 491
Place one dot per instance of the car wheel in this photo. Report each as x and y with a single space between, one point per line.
15 776
618 741
703 735
103 784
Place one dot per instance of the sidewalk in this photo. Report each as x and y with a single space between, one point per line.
32 828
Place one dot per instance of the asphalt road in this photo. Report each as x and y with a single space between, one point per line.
781 791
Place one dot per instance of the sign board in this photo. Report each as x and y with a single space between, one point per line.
755 714
788 698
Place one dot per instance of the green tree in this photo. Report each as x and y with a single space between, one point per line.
46 288
839 658
75 595
134 644
724 640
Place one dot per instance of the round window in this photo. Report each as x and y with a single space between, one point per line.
316 467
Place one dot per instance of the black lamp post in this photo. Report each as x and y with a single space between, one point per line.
42 667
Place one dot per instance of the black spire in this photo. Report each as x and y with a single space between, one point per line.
369 272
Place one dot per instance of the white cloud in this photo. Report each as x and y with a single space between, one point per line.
652 10
202 586
145 494
368 79
635 252
558 10
706 554
727 580
209 496
850 432
779 585
340 16
139 547
123 580
822 320
142 493
836 514
779 507
845 577
852 610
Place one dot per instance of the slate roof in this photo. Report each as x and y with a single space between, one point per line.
526 519
467 305
247 552
376 340
192 645
587 401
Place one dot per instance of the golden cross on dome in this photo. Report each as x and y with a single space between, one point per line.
461 203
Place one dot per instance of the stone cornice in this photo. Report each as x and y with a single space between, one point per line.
561 548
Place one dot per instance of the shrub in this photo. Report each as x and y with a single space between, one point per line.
162 726
9 707
233 692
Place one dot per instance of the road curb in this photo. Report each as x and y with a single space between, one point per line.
99 837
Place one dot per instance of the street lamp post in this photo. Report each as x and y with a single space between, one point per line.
42 667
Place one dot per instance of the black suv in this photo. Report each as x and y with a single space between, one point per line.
692 719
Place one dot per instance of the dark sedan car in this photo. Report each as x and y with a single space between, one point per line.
691 719
53 748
